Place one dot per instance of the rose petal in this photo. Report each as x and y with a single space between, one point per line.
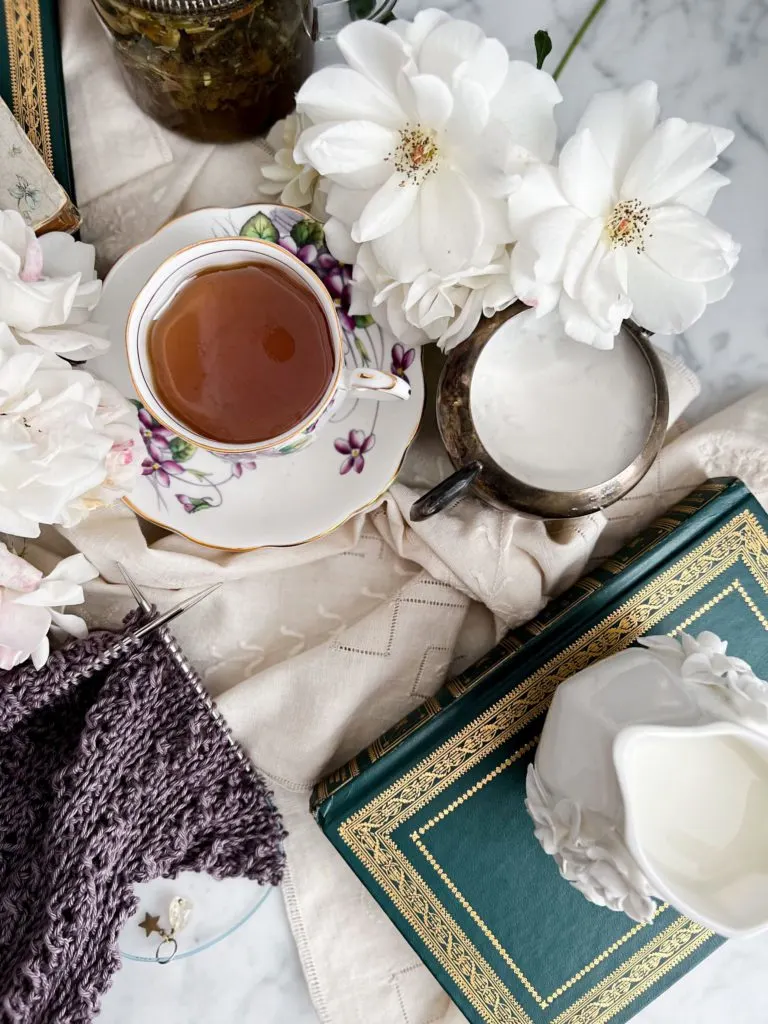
22 629
621 122
538 192
339 93
426 99
375 51
386 210
688 246
16 573
699 194
348 147
673 158
413 33
581 327
585 177
339 241
451 222
524 106
551 235
540 296
661 303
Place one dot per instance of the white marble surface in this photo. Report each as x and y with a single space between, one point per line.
710 58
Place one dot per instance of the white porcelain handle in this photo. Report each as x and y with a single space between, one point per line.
367 383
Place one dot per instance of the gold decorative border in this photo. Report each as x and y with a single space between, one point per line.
368 832
27 65
543 1001
416 837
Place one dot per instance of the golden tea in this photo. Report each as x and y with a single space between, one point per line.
241 354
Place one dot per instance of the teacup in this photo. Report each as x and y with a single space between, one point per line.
220 253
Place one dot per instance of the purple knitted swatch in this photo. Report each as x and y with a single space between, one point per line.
112 781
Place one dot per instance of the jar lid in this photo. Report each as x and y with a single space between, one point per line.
189 7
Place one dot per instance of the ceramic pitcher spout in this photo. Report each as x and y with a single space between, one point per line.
696 819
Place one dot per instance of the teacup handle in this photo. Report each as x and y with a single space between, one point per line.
446 494
367 383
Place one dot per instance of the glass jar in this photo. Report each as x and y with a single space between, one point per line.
220 70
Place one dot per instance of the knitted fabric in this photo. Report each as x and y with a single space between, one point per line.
104 783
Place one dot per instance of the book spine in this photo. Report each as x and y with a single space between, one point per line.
32 81
570 612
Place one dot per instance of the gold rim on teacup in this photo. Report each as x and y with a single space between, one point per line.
478 472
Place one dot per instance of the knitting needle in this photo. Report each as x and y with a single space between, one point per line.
165 635
131 639
178 656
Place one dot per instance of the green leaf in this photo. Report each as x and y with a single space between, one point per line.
260 226
543 45
198 474
181 450
199 504
363 321
363 351
306 232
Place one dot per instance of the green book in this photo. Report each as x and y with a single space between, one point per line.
32 85
431 817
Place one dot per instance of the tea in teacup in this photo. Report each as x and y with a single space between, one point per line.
241 353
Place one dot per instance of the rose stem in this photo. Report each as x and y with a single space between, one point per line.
578 37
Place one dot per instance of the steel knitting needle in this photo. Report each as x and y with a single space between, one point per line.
133 638
165 634
190 674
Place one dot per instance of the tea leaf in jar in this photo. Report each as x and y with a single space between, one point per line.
212 74
260 226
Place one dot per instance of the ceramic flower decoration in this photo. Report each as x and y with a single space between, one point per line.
30 603
589 851
619 228
68 443
419 140
294 183
704 661
48 288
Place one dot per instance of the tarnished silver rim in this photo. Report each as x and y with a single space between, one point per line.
188 7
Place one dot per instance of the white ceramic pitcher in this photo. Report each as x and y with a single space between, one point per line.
651 783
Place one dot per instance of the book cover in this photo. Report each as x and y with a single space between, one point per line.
432 818
32 86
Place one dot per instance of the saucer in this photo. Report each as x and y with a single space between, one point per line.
239 503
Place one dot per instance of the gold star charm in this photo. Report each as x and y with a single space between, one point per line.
150 924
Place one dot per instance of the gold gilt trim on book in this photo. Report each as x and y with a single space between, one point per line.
543 1001
27 64
368 833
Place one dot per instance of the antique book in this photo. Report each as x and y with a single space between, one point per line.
37 179
431 817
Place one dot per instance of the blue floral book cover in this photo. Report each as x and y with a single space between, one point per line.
431 817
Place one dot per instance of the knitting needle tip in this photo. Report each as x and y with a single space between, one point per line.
133 586
172 613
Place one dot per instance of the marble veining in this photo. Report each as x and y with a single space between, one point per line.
710 60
